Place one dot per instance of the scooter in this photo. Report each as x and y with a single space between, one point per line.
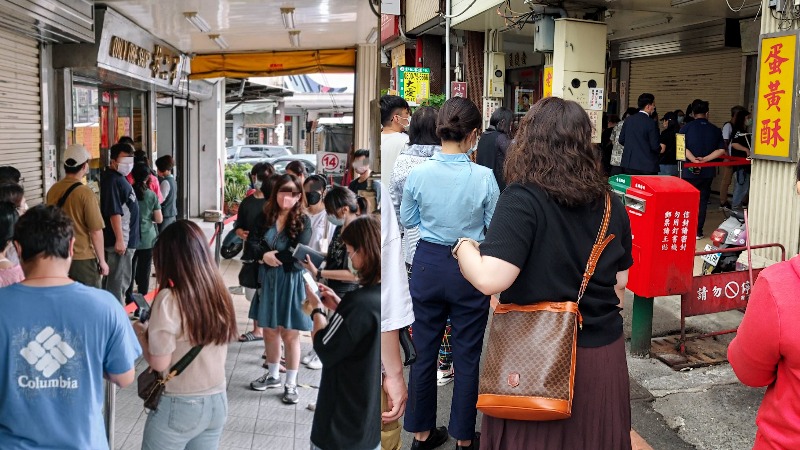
730 233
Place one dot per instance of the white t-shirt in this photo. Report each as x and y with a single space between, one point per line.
391 146
319 222
727 130
396 309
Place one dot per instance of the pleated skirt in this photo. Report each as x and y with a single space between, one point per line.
601 410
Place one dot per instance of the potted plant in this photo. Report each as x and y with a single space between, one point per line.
236 183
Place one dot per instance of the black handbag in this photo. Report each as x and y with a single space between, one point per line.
151 384
248 275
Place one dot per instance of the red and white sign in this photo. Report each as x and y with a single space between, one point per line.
331 163
458 89
390 28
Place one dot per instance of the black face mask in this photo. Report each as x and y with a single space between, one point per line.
313 197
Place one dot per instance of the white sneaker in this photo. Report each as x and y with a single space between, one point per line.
308 357
445 374
315 363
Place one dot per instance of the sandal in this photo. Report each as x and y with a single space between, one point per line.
250 337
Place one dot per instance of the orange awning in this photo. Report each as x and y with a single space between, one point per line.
265 64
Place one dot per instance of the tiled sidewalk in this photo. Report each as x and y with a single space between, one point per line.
256 420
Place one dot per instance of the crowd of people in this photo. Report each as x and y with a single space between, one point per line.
64 335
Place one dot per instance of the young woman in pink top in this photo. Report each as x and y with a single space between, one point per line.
766 352
10 272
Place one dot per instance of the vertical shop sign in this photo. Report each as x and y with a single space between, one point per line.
414 83
680 147
774 134
458 89
547 77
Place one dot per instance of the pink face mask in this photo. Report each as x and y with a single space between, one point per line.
287 201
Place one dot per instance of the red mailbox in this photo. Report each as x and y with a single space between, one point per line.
663 213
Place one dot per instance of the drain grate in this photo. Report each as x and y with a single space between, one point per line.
700 352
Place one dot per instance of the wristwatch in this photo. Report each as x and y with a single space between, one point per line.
319 275
457 245
317 311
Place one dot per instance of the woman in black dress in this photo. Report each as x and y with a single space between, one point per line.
536 250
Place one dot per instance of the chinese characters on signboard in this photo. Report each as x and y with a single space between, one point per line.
547 78
414 83
774 100
676 231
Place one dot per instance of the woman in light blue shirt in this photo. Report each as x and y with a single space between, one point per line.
447 197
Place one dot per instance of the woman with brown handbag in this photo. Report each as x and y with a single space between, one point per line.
536 250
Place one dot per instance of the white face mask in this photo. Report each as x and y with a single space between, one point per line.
125 166
351 268
473 148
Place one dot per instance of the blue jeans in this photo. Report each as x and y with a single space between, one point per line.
192 423
741 187
668 169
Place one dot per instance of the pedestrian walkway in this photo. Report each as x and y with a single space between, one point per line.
256 420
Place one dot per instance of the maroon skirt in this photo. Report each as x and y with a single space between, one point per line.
601 410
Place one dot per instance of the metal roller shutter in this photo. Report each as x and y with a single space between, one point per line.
20 111
677 80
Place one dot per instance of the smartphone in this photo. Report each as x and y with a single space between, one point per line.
144 307
311 282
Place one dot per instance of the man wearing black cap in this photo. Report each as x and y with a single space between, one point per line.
80 204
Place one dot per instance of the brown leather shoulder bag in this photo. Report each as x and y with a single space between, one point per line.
529 372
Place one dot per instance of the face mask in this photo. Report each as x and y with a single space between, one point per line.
287 201
360 169
125 166
473 148
257 185
313 197
335 220
680 119
350 267
407 125
748 122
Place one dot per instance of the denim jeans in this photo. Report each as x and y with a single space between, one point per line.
741 187
192 423
668 169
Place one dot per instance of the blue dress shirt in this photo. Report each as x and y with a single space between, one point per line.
449 197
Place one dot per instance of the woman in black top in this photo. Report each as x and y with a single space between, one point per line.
494 143
343 207
740 146
667 161
536 250
349 348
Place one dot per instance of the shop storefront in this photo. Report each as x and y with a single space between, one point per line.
110 89
26 139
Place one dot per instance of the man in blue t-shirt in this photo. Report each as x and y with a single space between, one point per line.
121 214
58 340
704 143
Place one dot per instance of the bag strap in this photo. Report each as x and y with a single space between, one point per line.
184 362
63 198
600 244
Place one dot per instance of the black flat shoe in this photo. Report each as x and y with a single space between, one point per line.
437 437
475 445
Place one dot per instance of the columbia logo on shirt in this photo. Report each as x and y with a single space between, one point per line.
47 353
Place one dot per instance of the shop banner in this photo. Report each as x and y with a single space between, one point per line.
777 74
547 78
414 83
271 64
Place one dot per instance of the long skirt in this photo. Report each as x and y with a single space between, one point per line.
601 410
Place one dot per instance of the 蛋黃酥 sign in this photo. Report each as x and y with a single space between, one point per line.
774 100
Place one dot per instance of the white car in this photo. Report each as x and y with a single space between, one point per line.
251 154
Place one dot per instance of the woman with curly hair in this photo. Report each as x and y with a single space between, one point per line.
278 305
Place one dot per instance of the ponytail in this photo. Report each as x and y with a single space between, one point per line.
363 206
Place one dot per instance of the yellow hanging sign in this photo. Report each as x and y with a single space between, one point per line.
772 133
680 147
547 78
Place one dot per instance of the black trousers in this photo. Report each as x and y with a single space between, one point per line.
704 186
142 259
638 172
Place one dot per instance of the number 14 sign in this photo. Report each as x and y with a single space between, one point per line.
330 163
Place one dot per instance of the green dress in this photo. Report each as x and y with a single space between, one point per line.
147 206
279 301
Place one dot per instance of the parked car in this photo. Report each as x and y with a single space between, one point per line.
251 154
280 163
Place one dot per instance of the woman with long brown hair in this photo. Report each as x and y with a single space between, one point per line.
193 307
536 249
349 348
278 308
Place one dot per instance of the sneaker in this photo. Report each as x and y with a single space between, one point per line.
308 357
445 374
475 445
311 407
290 396
437 437
700 236
315 363
265 382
